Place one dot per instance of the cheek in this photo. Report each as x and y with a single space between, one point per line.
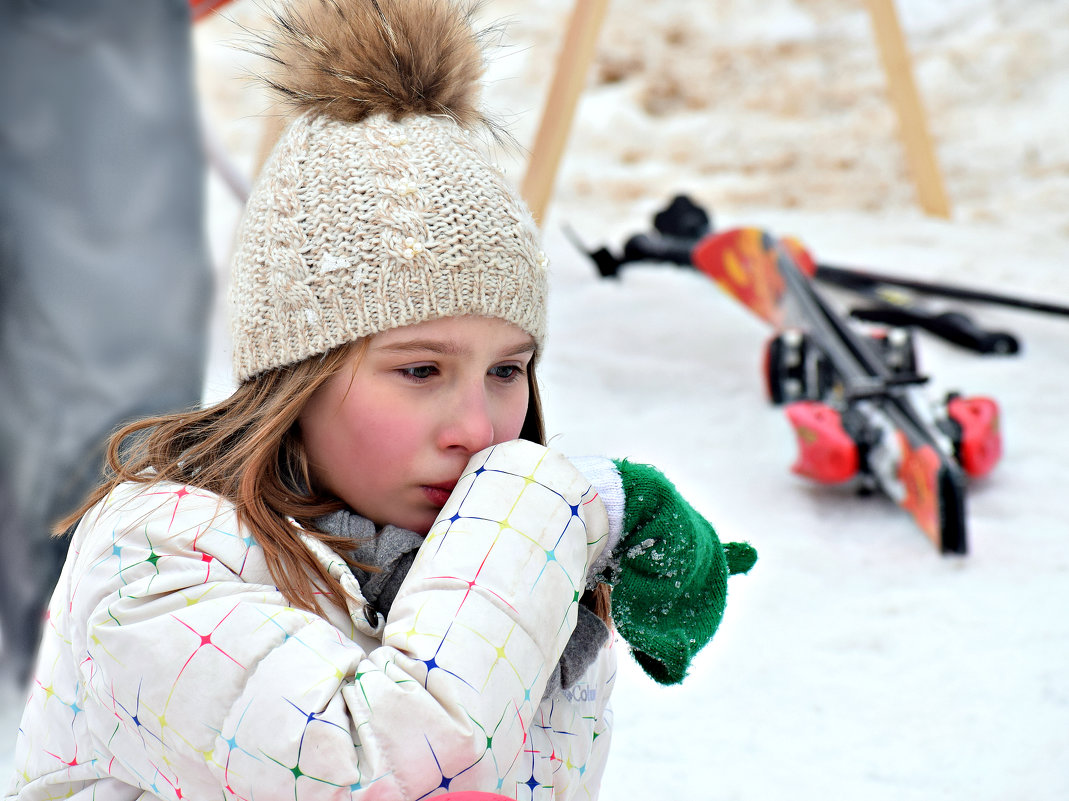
350 436
328 447
385 436
511 418
362 464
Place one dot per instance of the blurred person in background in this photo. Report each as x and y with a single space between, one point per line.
105 279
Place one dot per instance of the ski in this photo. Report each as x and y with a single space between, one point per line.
898 301
854 398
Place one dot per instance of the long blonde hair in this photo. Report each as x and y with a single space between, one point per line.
248 450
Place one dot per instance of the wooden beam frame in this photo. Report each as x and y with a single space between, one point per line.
577 51
912 122
569 78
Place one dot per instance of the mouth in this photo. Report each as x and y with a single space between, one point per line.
438 494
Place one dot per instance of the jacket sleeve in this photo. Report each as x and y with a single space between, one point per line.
199 684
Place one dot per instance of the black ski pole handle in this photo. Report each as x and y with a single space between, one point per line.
643 247
952 326
640 247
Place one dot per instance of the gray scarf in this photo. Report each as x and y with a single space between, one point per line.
392 550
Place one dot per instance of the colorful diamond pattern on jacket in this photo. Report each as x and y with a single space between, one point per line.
171 663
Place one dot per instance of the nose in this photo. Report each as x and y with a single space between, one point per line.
468 421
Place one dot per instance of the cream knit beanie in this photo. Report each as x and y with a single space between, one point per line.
378 207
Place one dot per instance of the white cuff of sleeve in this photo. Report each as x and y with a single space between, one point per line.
605 478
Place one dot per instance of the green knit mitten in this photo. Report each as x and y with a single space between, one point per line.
670 574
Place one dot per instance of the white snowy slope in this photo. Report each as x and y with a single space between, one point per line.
854 661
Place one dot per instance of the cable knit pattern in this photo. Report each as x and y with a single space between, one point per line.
356 228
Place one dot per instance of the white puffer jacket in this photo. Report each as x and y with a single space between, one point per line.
173 668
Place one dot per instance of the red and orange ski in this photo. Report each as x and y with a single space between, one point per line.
854 398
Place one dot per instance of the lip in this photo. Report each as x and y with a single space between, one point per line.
438 494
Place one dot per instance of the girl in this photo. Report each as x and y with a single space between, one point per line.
362 575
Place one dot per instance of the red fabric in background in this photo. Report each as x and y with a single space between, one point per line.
202 8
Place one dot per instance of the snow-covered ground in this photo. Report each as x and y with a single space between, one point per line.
854 661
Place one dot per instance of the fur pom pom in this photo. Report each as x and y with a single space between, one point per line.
353 58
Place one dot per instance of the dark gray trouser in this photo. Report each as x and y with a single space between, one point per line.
105 280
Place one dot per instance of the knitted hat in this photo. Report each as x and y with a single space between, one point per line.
378 207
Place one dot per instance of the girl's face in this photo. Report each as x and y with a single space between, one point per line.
391 436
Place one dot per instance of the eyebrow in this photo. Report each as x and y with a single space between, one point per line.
450 348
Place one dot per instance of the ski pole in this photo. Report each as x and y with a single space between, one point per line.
862 280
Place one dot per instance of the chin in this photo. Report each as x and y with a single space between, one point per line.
422 529
420 524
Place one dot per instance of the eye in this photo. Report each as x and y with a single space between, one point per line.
507 372
420 372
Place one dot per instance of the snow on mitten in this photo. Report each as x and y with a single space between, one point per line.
668 573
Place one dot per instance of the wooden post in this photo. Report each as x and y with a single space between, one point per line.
573 61
920 155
